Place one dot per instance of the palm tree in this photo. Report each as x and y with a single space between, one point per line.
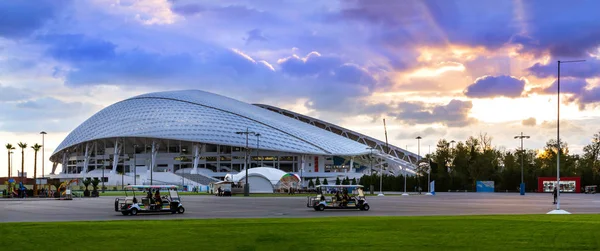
86 182
36 148
9 147
22 146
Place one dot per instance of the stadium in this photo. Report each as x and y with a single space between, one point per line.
194 138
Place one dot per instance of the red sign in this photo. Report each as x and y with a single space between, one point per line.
316 164
567 184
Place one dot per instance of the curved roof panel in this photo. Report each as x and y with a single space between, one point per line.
199 116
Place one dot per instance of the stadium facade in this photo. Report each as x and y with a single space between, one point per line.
194 138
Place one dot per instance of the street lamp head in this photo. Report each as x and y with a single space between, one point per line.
516 137
527 137
452 141
418 137
43 132
258 135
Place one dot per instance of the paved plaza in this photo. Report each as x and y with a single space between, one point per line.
198 207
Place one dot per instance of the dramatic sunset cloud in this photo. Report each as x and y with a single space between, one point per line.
433 68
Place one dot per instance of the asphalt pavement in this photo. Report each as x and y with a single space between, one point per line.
199 207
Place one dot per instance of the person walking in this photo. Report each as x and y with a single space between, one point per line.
555 194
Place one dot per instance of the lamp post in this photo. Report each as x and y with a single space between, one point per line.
43 147
558 210
246 185
371 159
135 164
371 162
429 173
11 160
522 186
257 148
419 158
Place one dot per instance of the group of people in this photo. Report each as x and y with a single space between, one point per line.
344 197
156 199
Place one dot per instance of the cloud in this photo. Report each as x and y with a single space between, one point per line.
581 92
588 69
436 23
573 31
94 61
454 114
429 132
89 61
9 93
45 113
255 35
20 18
566 125
529 122
311 65
78 48
494 86
222 14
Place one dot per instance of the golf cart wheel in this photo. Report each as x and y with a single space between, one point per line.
365 207
125 213
321 207
134 211
180 210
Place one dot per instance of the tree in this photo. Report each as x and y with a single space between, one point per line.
353 181
22 146
86 182
9 148
95 183
310 183
36 148
337 181
325 182
318 182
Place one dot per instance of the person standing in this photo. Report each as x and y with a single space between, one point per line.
555 194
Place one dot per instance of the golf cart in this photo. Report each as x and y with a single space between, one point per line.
343 197
591 189
149 201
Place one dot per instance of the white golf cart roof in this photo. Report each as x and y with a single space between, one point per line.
342 186
153 186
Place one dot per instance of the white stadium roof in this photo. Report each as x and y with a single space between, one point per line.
199 116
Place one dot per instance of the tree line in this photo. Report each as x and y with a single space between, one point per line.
459 166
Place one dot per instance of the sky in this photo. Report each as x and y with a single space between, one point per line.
433 68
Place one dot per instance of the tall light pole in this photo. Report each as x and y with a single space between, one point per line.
419 158
451 157
429 173
371 159
135 164
522 187
257 148
43 150
380 172
11 159
558 210
246 185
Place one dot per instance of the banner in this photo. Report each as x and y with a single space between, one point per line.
432 187
485 186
